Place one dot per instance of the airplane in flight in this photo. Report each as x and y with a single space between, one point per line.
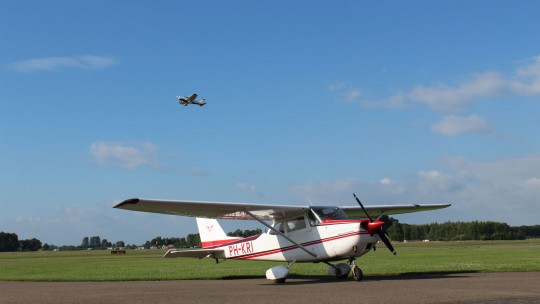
185 100
296 234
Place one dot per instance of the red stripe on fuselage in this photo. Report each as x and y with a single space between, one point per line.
283 249
341 221
219 243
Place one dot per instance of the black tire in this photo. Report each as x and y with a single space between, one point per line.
280 281
357 274
341 276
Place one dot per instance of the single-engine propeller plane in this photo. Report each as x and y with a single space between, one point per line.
296 234
185 100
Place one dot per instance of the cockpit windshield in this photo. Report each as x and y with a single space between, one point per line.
330 213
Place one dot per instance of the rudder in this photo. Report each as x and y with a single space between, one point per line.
212 234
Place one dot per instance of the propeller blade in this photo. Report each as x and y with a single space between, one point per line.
386 241
377 227
363 209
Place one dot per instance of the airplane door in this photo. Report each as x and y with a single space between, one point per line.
301 231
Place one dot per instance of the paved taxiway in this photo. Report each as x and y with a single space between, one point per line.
428 288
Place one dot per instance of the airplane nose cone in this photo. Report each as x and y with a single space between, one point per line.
373 226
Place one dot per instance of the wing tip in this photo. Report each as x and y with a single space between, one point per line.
131 201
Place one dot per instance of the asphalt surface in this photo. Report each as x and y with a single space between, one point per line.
489 288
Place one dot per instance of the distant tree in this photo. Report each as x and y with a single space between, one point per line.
30 245
95 241
193 240
393 228
455 231
120 244
181 243
245 233
46 247
157 241
69 247
9 242
528 231
105 243
85 242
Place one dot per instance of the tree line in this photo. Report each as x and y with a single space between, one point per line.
189 241
11 242
192 239
458 231
448 231
95 242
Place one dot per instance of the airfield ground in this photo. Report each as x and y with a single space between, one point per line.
148 265
435 272
473 288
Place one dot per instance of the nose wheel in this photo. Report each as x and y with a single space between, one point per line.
356 272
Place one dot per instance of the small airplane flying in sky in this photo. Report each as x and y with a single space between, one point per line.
297 233
184 100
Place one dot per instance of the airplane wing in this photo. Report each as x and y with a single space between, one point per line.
192 97
219 210
237 211
375 211
196 253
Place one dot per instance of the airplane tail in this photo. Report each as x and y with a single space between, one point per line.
212 234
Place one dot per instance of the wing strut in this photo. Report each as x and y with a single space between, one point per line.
281 233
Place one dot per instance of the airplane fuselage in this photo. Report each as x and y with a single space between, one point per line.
327 241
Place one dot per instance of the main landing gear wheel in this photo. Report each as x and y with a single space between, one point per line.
340 276
280 281
357 274
340 271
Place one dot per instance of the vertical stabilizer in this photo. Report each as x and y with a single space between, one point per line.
212 234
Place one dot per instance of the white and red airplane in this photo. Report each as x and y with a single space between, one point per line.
296 234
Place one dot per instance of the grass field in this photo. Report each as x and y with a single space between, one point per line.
433 257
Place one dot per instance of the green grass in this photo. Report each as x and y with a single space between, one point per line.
434 257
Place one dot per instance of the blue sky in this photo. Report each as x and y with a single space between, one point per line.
415 102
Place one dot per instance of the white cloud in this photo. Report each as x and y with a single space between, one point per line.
249 188
339 192
446 98
437 182
454 125
386 181
87 62
194 170
452 98
125 155
525 81
68 224
505 190
354 95
533 182
337 86
319 188
527 78
347 92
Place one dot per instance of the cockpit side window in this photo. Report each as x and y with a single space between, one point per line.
289 226
296 224
330 213
280 226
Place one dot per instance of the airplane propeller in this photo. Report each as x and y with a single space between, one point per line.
375 226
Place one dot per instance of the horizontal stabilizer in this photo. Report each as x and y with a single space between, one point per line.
196 253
